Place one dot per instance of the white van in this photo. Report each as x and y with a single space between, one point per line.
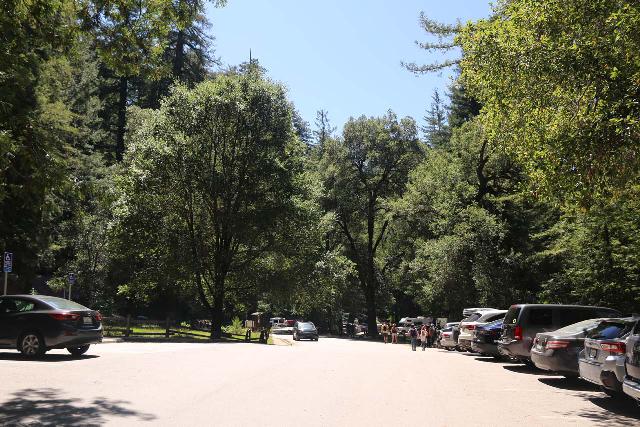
406 322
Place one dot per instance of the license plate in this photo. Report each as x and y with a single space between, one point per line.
87 320
593 353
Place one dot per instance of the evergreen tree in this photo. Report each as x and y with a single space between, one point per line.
436 128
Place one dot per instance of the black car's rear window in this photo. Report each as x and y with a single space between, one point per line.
608 330
512 315
306 326
62 304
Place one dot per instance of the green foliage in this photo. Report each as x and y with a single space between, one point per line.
362 173
218 165
559 86
236 327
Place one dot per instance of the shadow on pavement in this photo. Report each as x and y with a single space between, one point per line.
531 370
490 359
609 411
18 357
47 406
573 384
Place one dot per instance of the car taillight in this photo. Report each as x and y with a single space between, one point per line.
98 316
555 344
518 333
613 347
64 316
471 327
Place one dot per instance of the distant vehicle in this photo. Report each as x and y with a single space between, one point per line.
631 383
557 351
524 321
469 311
485 337
305 330
277 321
602 360
406 322
447 340
479 318
35 324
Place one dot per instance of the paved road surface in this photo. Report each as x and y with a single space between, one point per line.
330 382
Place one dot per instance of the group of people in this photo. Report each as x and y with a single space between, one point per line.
427 335
392 330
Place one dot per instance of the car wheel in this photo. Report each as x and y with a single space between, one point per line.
31 344
78 351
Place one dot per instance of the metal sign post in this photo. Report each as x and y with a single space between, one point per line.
72 281
7 266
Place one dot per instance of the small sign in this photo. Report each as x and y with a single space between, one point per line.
72 278
8 262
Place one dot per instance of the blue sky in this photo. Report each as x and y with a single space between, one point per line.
339 55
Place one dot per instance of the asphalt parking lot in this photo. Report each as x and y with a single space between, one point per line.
330 382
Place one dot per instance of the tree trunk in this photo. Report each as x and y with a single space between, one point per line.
372 324
217 311
122 117
178 61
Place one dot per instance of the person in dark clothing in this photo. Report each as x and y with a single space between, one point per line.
413 334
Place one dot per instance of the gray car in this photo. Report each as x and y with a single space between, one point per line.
34 324
305 330
602 360
524 321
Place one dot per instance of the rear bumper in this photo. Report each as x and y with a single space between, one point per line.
555 361
590 371
631 388
515 349
485 348
448 342
464 343
79 338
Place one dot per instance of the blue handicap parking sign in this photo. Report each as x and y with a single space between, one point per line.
8 262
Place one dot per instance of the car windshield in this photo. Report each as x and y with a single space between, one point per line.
62 304
306 326
576 328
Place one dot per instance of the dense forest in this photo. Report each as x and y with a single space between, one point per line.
171 185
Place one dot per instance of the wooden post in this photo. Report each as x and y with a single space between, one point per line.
168 324
127 331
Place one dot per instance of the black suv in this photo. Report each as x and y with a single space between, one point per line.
524 321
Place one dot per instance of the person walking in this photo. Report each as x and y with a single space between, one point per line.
413 334
385 331
394 334
424 336
432 335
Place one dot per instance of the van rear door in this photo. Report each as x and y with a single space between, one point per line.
510 321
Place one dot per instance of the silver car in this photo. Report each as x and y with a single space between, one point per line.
448 337
602 362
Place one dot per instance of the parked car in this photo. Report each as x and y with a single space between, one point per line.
602 359
524 321
468 325
447 339
305 330
35 324
557 351
485 337
469 311
631 383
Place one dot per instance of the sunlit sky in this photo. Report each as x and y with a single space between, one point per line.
340 55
